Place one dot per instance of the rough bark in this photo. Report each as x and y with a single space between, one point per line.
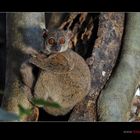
23 31
81 25
55 19
101 63
115 100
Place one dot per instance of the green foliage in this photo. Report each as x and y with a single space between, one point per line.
26 112
8 116
23 111
45 103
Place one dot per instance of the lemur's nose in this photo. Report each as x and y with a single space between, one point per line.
57 47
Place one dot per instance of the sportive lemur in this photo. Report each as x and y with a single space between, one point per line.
64 76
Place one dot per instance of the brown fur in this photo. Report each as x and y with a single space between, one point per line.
66 80
64 77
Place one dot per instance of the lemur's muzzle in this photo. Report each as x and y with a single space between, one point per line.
56 48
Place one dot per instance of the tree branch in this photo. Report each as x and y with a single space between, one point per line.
115 100
23 31
101 63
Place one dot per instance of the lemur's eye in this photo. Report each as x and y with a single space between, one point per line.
61 40
51 41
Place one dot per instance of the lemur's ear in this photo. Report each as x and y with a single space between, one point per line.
45 33
69 34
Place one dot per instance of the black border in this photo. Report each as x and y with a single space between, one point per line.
69 5
69 130
60 129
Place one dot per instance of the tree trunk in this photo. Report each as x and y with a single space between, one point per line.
101 63
23 31
54 19
115 100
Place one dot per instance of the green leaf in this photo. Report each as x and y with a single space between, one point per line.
24 111
45 103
